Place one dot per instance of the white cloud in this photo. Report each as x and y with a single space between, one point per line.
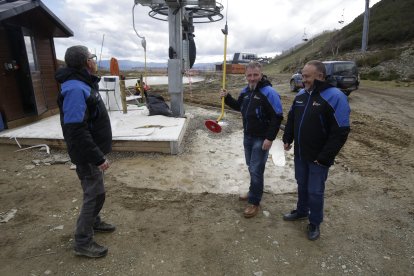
265 27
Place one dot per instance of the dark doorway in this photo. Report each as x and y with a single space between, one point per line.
23 75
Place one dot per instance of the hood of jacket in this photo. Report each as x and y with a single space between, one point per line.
64 74
319 86
263 82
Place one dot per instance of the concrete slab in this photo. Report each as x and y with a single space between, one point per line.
133 131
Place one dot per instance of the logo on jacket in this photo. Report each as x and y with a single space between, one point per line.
316 104
256 97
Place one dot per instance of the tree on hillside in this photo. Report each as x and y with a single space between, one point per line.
335 44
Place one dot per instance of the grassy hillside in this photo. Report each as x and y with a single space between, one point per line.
391 22
299 55
390 52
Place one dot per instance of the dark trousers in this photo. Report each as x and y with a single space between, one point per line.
256 159
311 179
92 183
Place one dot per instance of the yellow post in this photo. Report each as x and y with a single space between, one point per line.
225 32
123 95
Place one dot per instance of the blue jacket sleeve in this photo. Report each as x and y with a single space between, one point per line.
339 123
81 145
274 111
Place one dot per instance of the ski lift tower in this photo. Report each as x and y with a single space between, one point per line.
181 15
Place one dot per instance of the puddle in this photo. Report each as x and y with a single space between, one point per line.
214 164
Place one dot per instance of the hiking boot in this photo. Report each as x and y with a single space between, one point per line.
93 250
313 232
294 215
251 210
104 227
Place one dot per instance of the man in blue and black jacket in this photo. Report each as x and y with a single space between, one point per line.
318 123
87 131
262 114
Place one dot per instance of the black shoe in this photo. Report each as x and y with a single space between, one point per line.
93 250
313 232
294 215
104 227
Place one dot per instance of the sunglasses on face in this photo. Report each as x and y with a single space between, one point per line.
93 57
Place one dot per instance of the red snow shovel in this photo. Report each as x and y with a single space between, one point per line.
211 124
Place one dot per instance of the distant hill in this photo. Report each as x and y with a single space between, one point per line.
131 65
390 52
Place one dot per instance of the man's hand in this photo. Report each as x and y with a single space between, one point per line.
267 144
287 146
104 166
223 93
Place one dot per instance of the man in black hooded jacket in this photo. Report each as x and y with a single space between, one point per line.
87 131
318 122
261 109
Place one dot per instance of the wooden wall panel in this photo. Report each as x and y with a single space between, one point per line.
47 63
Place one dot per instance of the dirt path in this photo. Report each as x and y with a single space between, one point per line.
369 213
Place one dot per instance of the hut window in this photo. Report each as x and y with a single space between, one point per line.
31 54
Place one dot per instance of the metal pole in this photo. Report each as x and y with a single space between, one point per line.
175 62
365 29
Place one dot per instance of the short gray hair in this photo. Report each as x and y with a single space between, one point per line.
320 67
254 64
76 56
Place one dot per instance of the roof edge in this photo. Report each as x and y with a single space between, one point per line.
30 5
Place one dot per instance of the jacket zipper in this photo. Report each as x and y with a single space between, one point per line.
247 110
300 125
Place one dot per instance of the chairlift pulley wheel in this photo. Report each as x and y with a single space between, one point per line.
198 14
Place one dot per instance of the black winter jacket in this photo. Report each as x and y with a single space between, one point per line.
85 122
261 110
318 123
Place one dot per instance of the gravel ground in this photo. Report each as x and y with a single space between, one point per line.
369 213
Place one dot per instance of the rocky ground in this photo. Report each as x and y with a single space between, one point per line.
369 206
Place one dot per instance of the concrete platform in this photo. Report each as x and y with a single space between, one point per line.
133 131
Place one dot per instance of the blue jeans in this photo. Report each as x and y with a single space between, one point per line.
256 161
311 179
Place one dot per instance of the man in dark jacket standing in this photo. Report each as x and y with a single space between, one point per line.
262 114
318 122
87 131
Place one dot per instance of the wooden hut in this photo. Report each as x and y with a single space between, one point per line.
28 90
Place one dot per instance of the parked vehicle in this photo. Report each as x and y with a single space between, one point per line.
341 74
240 58
244 58
296 81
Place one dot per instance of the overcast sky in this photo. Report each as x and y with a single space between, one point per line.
264 27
